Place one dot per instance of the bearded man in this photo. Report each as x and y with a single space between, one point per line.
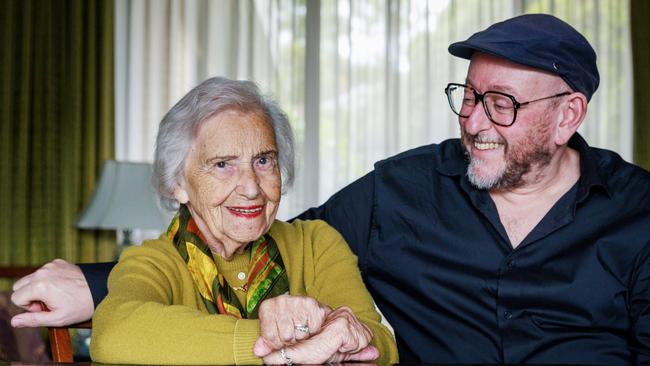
517 243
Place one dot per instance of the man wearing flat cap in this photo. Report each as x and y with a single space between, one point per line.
517 243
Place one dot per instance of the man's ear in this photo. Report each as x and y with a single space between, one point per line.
574 110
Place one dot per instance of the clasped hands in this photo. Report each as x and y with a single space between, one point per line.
330 336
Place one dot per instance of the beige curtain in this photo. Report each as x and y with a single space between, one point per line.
384 65
639 15
56 126
166 47
360 79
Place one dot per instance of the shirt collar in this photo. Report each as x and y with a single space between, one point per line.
590 174
454 163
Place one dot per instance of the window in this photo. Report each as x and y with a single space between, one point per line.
381 67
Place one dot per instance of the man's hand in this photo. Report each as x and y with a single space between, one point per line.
285 320
61 287
341 338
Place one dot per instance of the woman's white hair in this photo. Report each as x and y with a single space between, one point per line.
178 129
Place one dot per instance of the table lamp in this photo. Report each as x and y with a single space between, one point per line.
124 199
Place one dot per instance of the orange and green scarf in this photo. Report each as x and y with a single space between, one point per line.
267 276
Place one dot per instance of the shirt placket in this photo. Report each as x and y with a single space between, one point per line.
510 274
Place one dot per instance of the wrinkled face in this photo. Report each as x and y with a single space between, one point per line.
232 182
502 157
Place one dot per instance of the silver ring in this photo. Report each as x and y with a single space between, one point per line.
287 359
302 328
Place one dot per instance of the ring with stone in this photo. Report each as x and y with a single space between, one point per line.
285 357
302 328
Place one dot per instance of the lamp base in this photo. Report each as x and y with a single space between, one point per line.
125 242
126 237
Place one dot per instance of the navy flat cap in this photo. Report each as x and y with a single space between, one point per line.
540 41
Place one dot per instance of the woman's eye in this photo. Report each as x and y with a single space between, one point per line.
265 162
221 164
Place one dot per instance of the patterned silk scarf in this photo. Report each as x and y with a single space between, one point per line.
267 276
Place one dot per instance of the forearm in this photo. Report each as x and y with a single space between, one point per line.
153 315
338 283
353 294
135 332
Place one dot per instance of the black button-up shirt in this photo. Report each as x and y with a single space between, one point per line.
439 264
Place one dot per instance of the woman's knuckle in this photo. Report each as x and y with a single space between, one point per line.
286 337
266 333
341 324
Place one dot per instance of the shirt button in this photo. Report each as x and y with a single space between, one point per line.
241 275
507 315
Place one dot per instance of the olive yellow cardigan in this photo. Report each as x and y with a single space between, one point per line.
153 313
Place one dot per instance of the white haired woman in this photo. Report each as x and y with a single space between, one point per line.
227 283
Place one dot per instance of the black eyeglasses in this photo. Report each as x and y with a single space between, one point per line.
500 108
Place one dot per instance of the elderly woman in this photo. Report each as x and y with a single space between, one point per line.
227 283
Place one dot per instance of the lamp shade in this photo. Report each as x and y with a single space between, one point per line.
124 199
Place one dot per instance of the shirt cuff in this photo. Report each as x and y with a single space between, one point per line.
246 333
96 275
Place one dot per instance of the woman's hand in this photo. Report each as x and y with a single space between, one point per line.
285 320
342 337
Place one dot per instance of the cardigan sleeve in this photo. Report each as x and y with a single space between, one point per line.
337 282
153 315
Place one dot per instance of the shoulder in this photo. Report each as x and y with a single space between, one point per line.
304 230
307 238
620 176
447 156
438 152
414 172
160 246
158 253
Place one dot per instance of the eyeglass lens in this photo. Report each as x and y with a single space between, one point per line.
499 108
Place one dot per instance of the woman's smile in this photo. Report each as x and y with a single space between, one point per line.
249 212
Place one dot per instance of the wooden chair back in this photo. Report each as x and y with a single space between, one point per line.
60 342
16 271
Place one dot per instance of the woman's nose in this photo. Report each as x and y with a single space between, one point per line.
248 184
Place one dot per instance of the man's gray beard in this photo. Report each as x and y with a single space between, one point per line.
478 181
513 174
